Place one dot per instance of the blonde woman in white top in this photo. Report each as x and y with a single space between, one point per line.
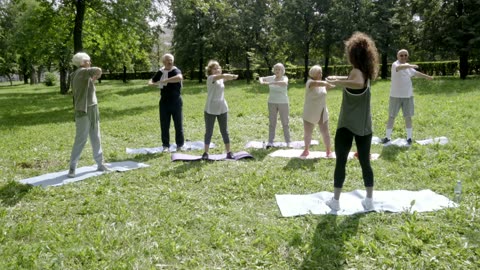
277 102
315 110
216 106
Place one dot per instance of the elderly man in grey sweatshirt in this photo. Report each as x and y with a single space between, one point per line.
87 118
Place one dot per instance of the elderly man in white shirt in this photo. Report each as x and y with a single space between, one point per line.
401 94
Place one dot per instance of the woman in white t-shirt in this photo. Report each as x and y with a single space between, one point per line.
277 102
315 110
216 106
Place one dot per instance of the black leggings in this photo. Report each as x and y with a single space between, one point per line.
343 144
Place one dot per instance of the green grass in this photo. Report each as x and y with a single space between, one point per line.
223 215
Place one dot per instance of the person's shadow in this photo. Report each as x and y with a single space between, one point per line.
328 244
12 192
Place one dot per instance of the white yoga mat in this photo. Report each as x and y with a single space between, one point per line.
294 144
60 178
351 202
403 142
198 145
295 153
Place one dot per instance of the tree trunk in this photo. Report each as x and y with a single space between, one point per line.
384 72
25 77
33 79
63 80
227 57
326 52
10 79
247 65
78 29
124 74
305 63
463 64
39 74
200 69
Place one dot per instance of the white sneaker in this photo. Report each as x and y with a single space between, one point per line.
103 168
71 173
333 204
367 204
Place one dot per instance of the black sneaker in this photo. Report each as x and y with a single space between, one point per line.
385 140
409 141
230 155
205 156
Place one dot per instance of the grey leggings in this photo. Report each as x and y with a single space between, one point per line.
273 110
210 123
87 125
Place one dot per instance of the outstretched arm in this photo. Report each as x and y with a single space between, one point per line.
405 66
174 79
225 76
422 75
283 82
354 81
319 83
151 83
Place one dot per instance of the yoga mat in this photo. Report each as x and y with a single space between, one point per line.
351 202
60 178
294 144
295 153
212 157
188 146
403 142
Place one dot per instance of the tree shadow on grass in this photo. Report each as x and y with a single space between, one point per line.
182 170
391 152
306 164
259 154
140 157
135 91
331 235
13 192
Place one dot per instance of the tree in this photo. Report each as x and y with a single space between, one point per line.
301 21
8 56
452 25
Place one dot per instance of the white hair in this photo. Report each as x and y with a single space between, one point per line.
279 65
402 51
314 70
78 58
168 55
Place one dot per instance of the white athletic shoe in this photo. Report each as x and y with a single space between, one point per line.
333 204
367 204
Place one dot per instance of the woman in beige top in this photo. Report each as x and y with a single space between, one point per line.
315 109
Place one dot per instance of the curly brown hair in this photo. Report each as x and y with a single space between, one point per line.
362 54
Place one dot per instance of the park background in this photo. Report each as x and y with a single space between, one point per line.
223 215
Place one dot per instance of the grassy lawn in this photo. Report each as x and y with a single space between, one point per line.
223 215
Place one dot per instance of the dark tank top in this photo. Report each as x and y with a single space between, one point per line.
355 114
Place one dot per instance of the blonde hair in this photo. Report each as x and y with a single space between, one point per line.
279 65
78 58
211 64
314 70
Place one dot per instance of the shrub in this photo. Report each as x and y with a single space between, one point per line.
50 79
